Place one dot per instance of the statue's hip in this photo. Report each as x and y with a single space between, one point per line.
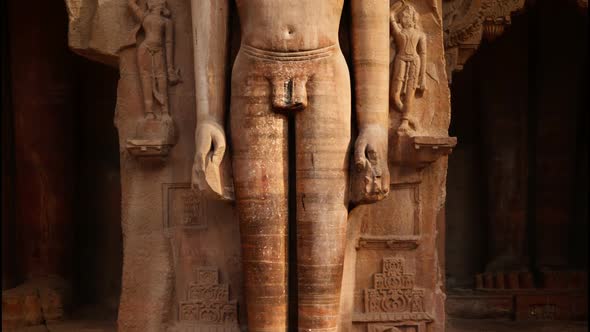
288 78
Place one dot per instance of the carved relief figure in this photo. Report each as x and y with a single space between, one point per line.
290 79
409 62
155 61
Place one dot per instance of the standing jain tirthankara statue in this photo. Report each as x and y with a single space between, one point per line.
290 68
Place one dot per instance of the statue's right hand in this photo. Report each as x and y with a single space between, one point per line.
210 147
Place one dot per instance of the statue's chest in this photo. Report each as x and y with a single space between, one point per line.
153 23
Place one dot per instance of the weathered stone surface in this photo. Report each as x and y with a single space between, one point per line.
481 306
471 325
519 304
278 257
551 306
82 326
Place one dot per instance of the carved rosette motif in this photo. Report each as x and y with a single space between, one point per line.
208 301
467 22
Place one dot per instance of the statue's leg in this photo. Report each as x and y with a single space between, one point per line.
399 68
407 84
144 63
260 170
163 87
411 83
322 156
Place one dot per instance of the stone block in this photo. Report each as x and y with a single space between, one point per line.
480 306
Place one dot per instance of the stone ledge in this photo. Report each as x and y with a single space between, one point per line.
518 304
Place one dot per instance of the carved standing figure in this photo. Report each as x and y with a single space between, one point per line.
409 62
290 79
155 57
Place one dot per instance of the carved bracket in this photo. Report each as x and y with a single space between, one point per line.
148 149
420 151
399 242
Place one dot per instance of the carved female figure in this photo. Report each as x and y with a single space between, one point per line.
409 62
290 79
156 65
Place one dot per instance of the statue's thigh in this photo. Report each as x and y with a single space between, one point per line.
322 158
260 160
323 136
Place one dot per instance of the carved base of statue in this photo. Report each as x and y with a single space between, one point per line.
154 137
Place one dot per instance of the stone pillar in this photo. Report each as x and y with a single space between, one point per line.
503 107
506 188
43 100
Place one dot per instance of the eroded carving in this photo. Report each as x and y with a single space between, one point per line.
394 290
409 64
393 297
155 61
207 301
183 207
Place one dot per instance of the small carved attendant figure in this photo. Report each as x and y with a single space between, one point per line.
409 63
155 59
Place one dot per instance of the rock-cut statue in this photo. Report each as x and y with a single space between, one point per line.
291 96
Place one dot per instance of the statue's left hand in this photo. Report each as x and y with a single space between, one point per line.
371 182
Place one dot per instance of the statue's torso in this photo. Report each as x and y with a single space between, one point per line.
153 26
407 42
289 25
